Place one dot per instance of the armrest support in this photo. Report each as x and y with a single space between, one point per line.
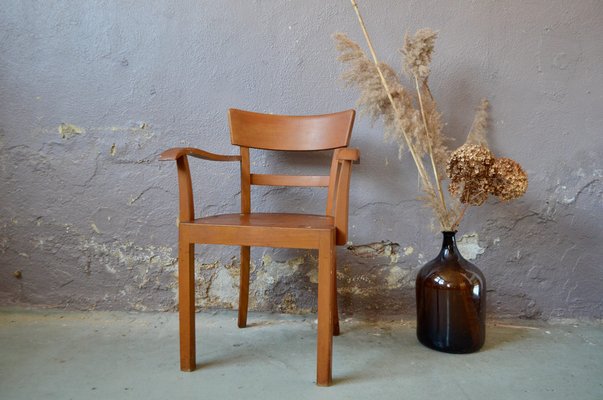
339 189
349 154
177 152
187 207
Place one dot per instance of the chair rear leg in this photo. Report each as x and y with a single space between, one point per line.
326 275
244 286
186 304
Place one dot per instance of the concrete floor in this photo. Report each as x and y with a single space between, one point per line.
49 354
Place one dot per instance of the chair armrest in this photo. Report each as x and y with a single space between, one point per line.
185 185
349 154
177 152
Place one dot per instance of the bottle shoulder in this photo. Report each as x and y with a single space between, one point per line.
451 272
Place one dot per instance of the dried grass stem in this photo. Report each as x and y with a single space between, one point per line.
430 148
418 162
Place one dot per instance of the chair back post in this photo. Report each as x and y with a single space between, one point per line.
245 181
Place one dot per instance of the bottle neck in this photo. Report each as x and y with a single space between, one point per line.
449 245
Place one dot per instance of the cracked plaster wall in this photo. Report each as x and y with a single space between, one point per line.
91 93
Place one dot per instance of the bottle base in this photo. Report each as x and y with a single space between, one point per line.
447 348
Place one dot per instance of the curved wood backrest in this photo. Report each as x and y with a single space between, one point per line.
292 133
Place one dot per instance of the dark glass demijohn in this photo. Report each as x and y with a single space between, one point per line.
451 302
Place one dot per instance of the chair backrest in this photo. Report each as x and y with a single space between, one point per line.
294 133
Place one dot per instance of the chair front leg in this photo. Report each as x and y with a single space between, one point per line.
334 294
326 275
244 286
186 304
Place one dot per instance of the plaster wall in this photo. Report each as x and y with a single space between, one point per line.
91 92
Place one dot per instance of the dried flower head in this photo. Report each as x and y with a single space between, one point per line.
374 100
469 192
417 52
469 173
507 179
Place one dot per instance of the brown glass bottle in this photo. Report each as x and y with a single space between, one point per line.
451 302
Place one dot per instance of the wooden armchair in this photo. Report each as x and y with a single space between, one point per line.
321 232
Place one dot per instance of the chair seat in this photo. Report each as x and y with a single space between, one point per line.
278 220
299 231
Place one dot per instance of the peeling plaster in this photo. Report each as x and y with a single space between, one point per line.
272 281
67 131
146 266
128 254
222 290
95 228
468 245
273 271
378 249
395 277
218 284
312 275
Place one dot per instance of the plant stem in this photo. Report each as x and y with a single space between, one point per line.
418 162
459 218
430 147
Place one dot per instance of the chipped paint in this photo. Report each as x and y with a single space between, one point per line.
312 275
395 277
3 243
272 271
67 131
95 228
468 245
420 259
288 304
222 290
117 256
385 248
218 283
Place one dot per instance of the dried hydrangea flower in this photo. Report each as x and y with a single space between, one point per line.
417 52
469 162
468 193
508 180
469 172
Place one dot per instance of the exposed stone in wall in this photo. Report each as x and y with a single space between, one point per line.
291 285
383 248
